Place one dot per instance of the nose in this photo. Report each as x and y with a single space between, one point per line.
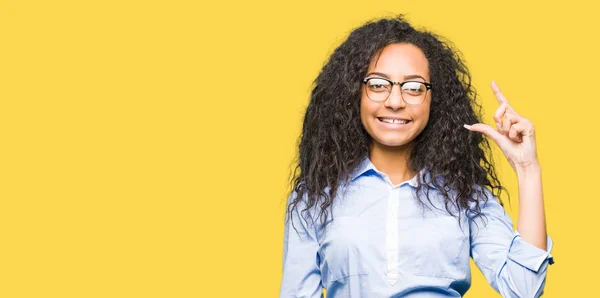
395 101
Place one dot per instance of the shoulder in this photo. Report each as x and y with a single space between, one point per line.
485 202
302 206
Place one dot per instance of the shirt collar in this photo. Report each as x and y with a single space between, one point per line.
366 167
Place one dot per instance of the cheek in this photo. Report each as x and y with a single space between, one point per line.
425 109
368 106
365 111
424 115
425 112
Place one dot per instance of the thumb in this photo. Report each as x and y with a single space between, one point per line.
486 130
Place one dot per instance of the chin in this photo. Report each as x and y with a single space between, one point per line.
393 142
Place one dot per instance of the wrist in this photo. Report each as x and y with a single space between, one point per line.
528 169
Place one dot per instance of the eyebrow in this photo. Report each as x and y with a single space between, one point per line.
408 77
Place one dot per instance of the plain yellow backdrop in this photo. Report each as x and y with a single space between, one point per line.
145 146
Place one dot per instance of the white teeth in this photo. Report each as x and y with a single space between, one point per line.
394 121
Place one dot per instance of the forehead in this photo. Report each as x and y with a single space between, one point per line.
399 60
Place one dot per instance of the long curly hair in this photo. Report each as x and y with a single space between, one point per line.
333 142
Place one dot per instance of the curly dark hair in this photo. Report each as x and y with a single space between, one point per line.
333 141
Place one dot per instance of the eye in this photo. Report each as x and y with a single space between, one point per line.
378 85
413 88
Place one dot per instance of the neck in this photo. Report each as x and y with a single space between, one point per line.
393 161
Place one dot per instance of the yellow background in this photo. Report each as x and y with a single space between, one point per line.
145 145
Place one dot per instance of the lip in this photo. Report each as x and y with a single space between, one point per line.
393 117
393 125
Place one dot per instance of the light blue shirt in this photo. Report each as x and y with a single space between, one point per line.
381 242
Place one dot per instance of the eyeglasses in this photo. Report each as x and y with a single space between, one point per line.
412 92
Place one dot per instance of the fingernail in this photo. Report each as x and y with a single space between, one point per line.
467 126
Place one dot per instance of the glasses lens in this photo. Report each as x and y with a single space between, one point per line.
378 89
413 92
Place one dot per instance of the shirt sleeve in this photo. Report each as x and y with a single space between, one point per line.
512 266
301 262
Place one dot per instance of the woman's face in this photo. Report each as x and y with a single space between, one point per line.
397 62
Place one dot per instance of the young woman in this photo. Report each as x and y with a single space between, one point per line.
396 188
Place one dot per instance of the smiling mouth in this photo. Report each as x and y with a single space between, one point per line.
393 121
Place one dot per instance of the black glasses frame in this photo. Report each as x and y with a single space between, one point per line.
427 87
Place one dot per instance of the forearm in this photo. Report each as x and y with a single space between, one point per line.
532 221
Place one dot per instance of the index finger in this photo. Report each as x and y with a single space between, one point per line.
499 96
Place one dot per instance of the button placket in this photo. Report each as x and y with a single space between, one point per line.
392 236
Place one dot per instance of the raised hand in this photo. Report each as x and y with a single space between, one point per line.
514 135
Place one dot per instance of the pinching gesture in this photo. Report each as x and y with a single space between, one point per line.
514 135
